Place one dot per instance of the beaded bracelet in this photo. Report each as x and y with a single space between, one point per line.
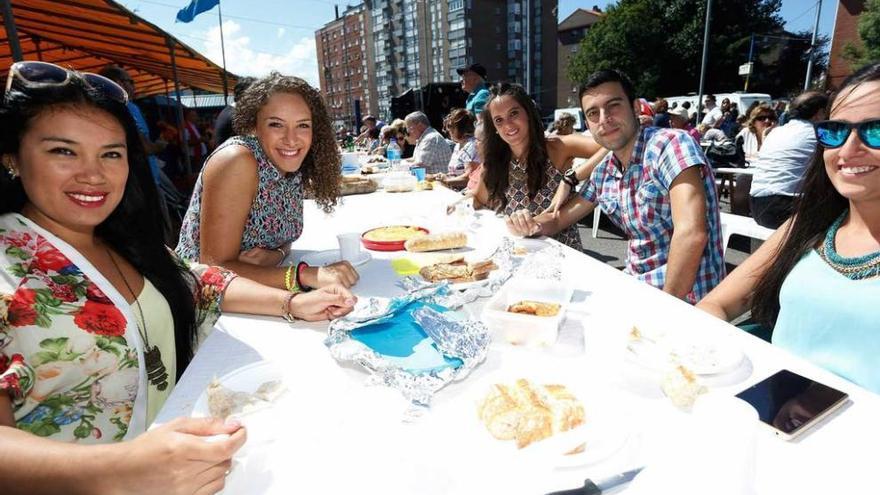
285 308
291 283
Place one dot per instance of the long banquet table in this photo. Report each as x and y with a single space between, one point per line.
344 436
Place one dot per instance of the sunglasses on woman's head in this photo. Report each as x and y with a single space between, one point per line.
833 133
34 75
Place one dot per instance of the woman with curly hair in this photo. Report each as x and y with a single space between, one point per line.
761 120
247 206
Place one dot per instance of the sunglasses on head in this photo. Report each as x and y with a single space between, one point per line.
833 133
35 75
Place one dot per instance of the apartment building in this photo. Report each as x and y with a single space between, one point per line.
416 42
382 48
571 31
344 66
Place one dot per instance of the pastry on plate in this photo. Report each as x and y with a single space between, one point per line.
393 233
535 308
458 272
223 402
436 242
526 413
682 387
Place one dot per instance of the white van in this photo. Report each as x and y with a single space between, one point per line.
742 100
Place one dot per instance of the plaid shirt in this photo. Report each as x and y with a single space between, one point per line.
637 200
432 151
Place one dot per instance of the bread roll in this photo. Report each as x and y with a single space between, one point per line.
436 242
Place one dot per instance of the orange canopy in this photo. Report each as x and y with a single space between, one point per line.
88 34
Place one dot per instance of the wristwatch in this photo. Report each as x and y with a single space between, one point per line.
570 178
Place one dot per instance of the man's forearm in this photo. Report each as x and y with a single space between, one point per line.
685 252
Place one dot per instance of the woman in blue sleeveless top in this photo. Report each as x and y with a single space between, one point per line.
816 281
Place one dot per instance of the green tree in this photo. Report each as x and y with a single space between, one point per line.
869 33
659 43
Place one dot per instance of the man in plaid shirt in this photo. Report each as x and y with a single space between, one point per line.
656 185
432 150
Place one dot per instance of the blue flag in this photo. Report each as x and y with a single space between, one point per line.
195 7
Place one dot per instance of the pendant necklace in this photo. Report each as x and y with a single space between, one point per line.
156 372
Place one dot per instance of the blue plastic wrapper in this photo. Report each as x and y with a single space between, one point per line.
410 343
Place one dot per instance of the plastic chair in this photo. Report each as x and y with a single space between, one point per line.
740 225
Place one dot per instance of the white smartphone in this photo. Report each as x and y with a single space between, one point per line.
790 403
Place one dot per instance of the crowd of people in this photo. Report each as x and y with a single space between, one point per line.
99 320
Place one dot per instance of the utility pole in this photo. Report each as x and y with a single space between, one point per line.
813 46
705 58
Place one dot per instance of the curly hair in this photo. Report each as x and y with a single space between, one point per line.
461 120
322 167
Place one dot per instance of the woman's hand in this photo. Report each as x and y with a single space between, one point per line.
262 256
522 223
341 273
326 303
176 458
561 196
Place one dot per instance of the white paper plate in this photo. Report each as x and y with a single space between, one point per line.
605 431
324 258
702 354
245 379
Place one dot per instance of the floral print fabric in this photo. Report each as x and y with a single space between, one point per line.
276 216
518 199
68 359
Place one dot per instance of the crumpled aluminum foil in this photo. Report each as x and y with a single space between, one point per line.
466 340
546 264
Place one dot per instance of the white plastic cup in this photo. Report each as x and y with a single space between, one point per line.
349 246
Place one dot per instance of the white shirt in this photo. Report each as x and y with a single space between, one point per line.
712 116
750 144
783 159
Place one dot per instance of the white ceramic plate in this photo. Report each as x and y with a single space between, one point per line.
245 379
702 354
324 258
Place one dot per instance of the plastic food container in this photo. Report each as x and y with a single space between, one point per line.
399 182
525 329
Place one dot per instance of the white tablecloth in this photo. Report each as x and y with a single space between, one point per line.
344 436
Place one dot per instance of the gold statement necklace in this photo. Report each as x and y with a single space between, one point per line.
156 372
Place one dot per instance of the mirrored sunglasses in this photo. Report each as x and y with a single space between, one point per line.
833 133
34 75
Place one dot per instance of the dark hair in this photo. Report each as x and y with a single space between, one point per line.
461 120
373 133
818 206
115 73
143 246
497 154
321 168
242 85
807 105
605 76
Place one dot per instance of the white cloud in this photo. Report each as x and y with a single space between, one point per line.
280 32
297 58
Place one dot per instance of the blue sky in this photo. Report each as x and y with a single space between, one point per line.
261 35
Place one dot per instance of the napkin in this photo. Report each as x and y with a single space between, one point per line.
711 450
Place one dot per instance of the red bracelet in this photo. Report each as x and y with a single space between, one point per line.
299 268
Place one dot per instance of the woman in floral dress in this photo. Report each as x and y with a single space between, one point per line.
522 167
98 319
247 206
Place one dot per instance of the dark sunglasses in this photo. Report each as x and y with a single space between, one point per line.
35 75
833 133
766 118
